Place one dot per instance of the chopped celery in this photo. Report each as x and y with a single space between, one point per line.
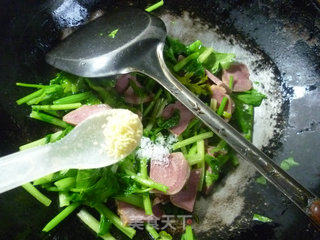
49 119
36 194
116 221
191 140
60 217
93 223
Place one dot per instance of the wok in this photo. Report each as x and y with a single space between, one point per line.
281 42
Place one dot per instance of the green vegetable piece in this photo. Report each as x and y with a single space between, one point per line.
204 56
154 6
191 140
226 115
147 182
56 107
64 199
42 141
198 88
60 217
288 163
217 60
49 119
196 46
188 235
116 221
65 183
261 180
213 104
260 218
201 165
113 33
30 96
222 106
93 223
165 236
132 199
30 85
37 194
87 178
104 225
152 231
231 80
75 98
251 97
49 93
91 192
243 116
184 61
147 204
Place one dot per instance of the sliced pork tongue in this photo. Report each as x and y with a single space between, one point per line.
218 93
122 82
131 214
186 198
218 82
185 117
174 175
240 73
123 86
77 116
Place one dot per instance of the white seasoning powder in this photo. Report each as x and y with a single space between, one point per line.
158 151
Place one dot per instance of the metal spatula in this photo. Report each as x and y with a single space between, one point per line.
138 47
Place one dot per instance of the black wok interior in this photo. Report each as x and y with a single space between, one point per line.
286 32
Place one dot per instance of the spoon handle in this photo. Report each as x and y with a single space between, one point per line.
304 199
22 167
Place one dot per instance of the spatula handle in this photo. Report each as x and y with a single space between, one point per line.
156 68
25 166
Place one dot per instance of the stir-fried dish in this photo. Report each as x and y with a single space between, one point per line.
178 159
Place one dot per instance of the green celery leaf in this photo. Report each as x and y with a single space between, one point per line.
87 177
177 47
195 68
260 218
165 236
104 225
243 117
251 97
288 163
198 88
261 180
113 33
100 191
217 60
170 122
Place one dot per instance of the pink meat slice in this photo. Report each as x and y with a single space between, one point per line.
240 73
218 93
186 198
122 82
218 82
131 97
131 214
123 86
173 175
185 117
77 116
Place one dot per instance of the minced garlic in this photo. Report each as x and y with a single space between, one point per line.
123 132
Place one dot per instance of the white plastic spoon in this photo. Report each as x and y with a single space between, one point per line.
86 146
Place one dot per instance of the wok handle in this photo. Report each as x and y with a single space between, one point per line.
22 167
155 67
